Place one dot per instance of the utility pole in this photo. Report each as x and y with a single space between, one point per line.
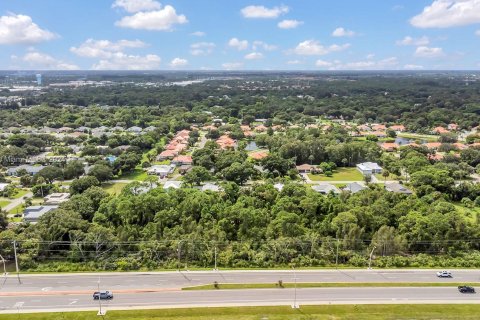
178 255
16 261
370 259
100 311
336 258
215 259
295 304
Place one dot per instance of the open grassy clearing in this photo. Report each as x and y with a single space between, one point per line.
114 188
341 174
416 136
136 174
3 203
230 286
327 312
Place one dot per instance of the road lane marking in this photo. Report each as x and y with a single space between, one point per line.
73 302
19 304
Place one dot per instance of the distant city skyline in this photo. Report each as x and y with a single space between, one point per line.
239 35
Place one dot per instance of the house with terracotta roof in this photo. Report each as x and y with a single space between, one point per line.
389 146
167 155
397 128
432 145
182 160
364 127
440 130
306 168
378 134
260 128
435 156
460 146
258 155
225 142
379 127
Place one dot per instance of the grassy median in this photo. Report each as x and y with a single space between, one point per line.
337 312
232 286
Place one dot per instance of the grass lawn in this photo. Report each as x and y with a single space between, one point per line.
20 194
136 174
391 176
341 174
114 188
17 209
3 203
416 136
325 312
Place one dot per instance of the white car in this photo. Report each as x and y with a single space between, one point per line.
444 274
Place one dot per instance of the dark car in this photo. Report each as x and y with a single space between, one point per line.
103 295
466 289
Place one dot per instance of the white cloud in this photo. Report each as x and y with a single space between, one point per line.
263 12
384 64
104 48
412 67
254 56
409 41
294 62
342 32
321 63
477 32
239 44
122 61
178 62
232 65
428 52
202 48
159 20
289 24
133 6
259 45
370 56
43 61
198 33
313 47
448 13
20 29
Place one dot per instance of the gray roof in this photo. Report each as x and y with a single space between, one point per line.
325 188
33 213
354 187
172 184
397 187
30 169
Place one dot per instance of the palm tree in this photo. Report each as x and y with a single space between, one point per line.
41 182
385 174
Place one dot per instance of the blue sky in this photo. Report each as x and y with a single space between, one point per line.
244 35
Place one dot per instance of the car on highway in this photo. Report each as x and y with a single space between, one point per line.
444 274
466 289
103 295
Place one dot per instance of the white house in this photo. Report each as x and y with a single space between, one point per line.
161 170
325 188
2 186
33 213
369 168
172 184
56 198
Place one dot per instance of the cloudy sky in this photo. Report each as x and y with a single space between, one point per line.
240 35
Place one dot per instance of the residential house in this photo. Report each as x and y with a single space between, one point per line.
167 155
258 155
184 169
278 186
211 187
379 127
172 184
397 128
325 188
33 213
3 186
56 198
389 146
182 160
31 170
306 168
369 168
440 130
354 187
161 170
397 188
433 145
453 126
135 129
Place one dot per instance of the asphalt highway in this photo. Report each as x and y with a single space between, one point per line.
63 292
176 279
263 297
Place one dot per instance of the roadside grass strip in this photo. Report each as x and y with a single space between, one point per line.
286 285
324 312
